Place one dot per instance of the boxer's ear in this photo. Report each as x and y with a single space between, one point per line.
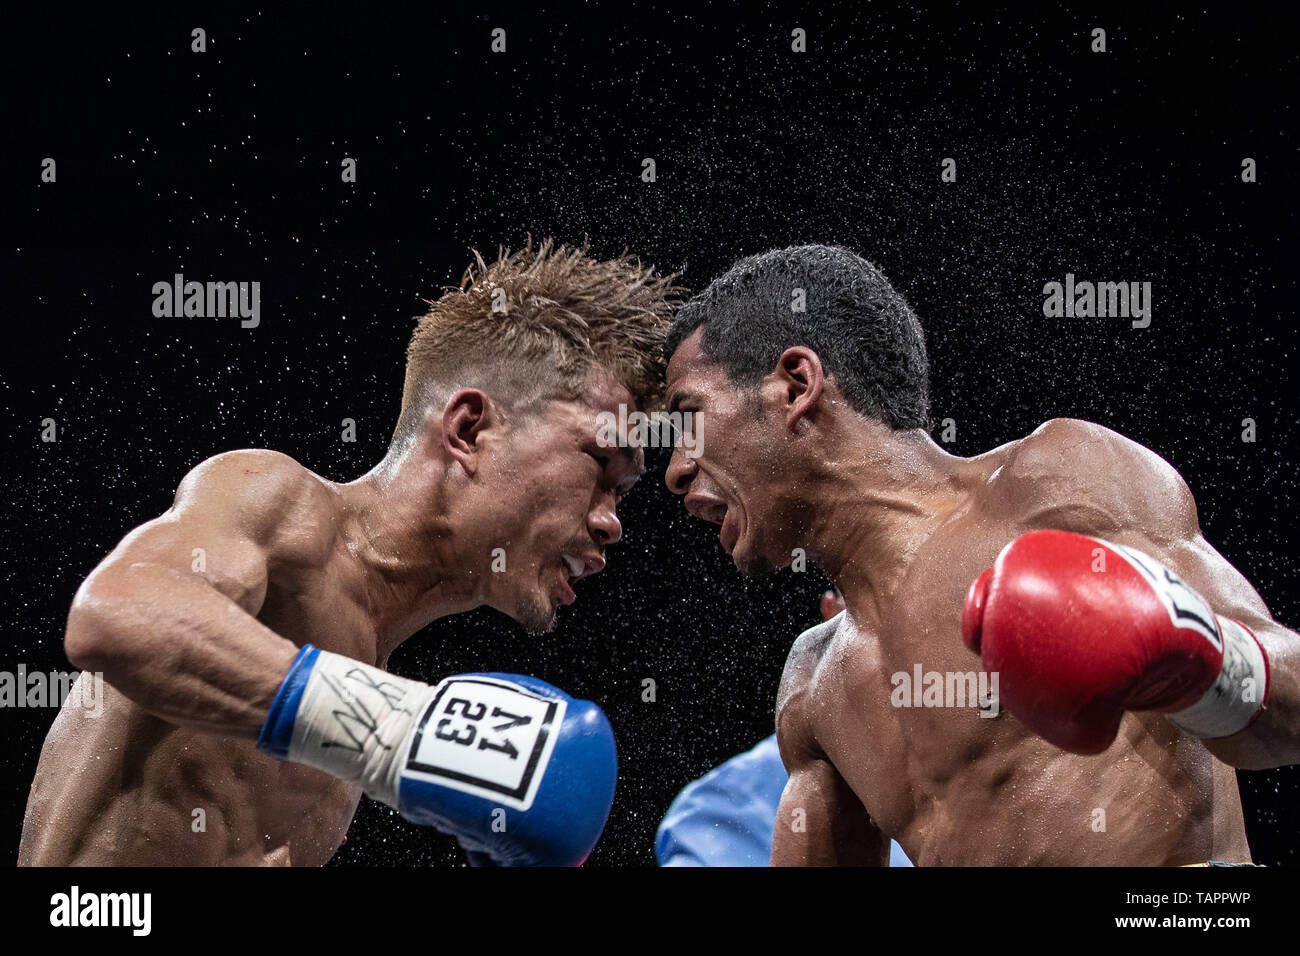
465 417
800 379
832 604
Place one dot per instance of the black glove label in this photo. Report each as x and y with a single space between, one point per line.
1184 606
487 737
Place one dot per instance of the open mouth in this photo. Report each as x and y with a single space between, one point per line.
729 533
573 568
565 591
715 511
712 510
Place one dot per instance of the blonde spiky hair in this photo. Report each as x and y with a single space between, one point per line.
533 324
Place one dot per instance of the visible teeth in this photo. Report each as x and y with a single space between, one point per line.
575 565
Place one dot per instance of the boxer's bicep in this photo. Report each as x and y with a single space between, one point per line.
1166 526
821 822
1130 495
791 844
1211 575
169 617
1150 507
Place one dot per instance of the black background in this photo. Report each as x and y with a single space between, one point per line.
225 165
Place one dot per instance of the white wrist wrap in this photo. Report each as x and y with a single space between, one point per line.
354 720
1236 695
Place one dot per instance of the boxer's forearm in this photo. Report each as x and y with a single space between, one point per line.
1273 739
178 647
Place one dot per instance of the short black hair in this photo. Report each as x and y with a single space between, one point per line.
865 334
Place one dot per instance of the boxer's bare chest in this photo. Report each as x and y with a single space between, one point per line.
210 799
897 677
323 606
912 723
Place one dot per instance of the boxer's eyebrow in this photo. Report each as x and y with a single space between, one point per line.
679 397
635 461
632 457
635 467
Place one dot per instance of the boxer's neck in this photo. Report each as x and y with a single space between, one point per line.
878 497
401 530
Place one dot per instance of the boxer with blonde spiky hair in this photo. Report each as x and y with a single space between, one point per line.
494 492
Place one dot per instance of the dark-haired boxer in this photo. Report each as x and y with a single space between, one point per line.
245 632
812 373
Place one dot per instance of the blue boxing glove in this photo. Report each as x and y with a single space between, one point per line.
519 772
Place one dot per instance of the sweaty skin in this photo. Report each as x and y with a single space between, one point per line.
193 653
126 787
903 528
953 787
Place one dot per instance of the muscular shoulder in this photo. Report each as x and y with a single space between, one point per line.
1079 476
264 495
806 654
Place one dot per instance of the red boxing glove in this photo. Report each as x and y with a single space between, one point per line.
1080 630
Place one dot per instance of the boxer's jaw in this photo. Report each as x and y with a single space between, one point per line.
526 575
742 465
538 589
436 537
552 498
